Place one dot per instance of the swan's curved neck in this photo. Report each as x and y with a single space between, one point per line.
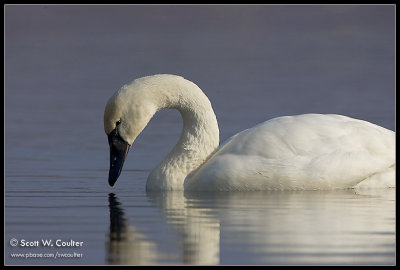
199 138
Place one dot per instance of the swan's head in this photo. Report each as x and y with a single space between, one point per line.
126 114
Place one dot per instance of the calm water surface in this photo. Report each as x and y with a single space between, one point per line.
254 63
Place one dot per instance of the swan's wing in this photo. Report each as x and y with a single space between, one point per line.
309 151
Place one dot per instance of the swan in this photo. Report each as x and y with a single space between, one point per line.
301 152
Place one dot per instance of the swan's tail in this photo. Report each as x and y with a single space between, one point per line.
384 179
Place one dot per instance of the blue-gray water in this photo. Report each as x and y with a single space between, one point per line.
62 63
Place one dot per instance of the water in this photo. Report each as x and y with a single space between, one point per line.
62 63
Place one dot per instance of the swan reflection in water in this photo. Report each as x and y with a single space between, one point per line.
315 227
124 245
199 233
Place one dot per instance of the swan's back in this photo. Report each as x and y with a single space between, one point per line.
310 151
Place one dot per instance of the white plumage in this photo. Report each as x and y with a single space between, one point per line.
309 151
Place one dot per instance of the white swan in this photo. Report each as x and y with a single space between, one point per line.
310 151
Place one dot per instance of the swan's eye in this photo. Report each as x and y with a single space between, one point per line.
118 122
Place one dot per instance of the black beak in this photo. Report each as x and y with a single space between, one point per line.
118 151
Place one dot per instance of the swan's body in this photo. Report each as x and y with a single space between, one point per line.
310 151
